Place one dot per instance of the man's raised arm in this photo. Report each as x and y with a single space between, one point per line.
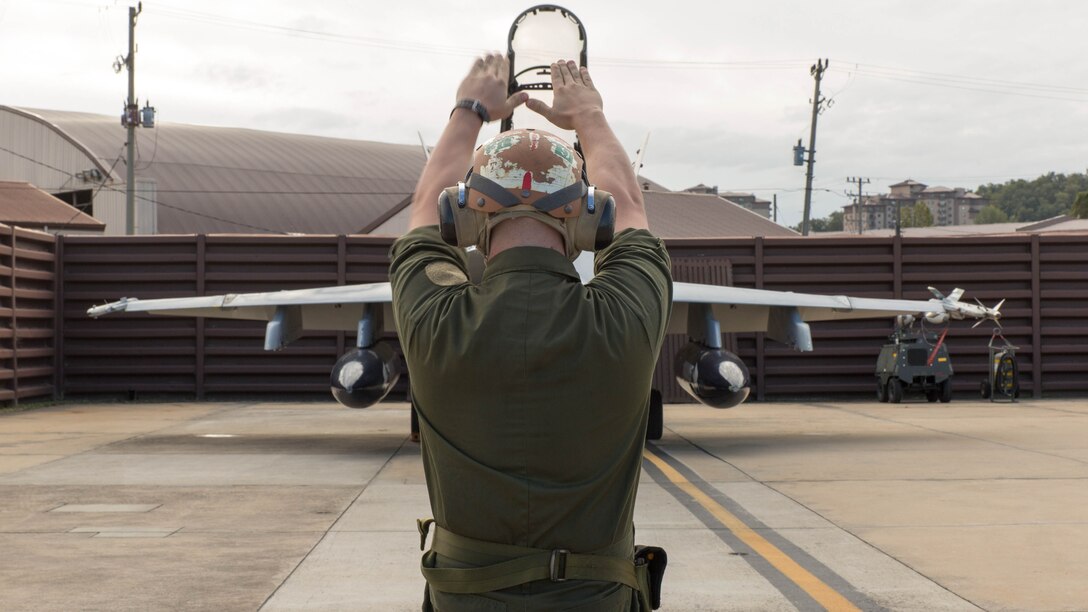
577 105
481 97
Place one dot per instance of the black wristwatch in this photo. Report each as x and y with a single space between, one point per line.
475 106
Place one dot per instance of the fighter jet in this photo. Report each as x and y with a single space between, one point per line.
708 372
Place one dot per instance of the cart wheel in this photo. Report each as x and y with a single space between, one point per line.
931 395
895 390
945 390
881 392
984 389
656 426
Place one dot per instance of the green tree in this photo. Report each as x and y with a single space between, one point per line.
1080 205
830 223
991 214
918 215
1047 196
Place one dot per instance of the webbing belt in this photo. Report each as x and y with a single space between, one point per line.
529 564
548 203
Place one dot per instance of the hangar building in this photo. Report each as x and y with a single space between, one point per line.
200 180
212 180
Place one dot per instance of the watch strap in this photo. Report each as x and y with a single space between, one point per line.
475 106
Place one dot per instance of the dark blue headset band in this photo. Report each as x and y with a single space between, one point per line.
506 199
564 196
492 190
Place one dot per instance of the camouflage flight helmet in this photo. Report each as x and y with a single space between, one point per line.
530 173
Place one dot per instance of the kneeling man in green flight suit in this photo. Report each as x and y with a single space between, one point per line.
532 389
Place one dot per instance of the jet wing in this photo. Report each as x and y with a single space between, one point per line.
781 313
325 308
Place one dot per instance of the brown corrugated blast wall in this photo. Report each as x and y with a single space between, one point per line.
1044 279
27 314
143 354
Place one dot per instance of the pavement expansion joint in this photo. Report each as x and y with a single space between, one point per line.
310 508
127 531
91 508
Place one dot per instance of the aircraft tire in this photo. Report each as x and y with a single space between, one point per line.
655 428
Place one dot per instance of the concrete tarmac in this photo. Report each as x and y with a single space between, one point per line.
783 506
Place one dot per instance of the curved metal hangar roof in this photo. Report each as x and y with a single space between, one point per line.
233 180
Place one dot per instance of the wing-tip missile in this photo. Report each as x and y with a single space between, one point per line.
119 306
956 309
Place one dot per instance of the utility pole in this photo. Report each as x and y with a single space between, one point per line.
817 72
775 205
131 118
130 123
857 210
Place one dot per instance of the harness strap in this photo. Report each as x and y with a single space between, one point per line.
492 190
528 565
566 195
548 203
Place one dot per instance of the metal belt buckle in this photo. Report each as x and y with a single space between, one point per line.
557 565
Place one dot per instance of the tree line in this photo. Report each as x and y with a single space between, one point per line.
1050 195
1047 196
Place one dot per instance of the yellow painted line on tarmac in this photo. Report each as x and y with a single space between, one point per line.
826 596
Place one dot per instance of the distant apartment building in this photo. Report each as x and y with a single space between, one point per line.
947 205
744 200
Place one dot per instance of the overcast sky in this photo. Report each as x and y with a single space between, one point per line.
952 92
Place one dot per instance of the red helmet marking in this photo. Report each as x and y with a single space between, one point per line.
527 181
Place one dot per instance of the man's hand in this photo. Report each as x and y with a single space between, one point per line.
452 154
574 98
487 82
577 106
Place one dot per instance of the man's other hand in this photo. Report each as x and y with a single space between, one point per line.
487 82
574 98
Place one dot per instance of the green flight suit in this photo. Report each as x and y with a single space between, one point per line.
532 392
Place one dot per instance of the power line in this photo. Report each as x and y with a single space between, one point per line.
366 41
786 64
858 216
279 172
901 74
219 191
157 202
969 83
40 163
220 20
955 78
154 153
974 177
197 214
936 79
98 189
